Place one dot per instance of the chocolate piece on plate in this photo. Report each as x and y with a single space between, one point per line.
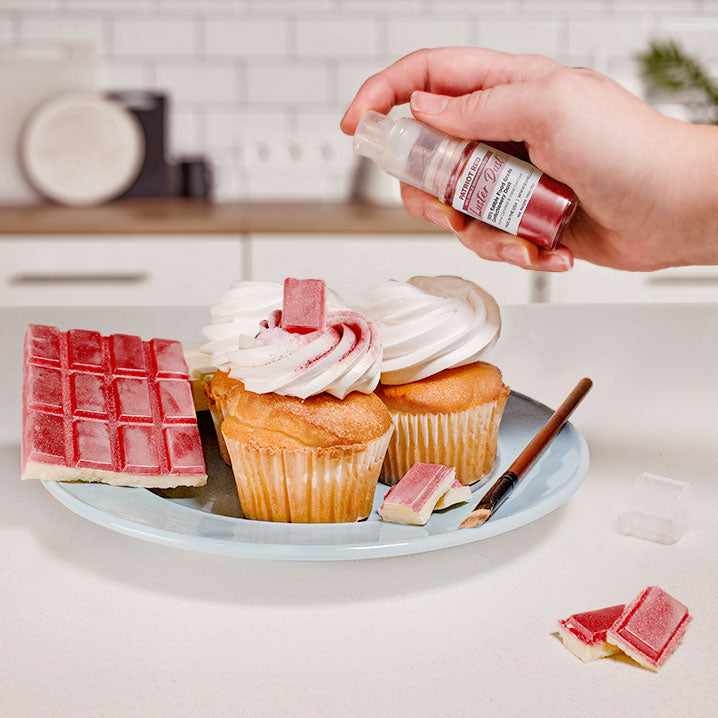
412 500
457 494
114 410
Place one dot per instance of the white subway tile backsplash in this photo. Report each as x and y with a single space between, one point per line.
316 123
406 34
157 36
208 7
123 75
246 37
290 6
195 82
112 6
381 7
231 129
288 84
551 9
663 6
243 73
535 36
607 38
62 28
7 30
698 35
347 37
32 5
469 8
350 76
185 133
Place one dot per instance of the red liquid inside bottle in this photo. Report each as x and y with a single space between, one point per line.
486 182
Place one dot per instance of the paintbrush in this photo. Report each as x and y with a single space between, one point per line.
505 484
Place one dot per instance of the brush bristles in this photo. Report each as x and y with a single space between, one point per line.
475 518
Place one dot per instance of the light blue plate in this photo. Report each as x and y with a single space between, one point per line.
207 519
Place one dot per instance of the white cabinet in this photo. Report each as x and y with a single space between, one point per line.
586 283
195 270
352 263
104 271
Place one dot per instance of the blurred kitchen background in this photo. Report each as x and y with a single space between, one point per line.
221 151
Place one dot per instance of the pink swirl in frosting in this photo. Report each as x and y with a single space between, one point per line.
343 357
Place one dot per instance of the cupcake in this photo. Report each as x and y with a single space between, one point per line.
237 315
301 425
445 403
307 461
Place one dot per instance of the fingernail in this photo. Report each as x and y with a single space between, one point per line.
558 262
436 216
515 253
427 103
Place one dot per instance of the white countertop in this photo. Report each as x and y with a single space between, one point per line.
95 623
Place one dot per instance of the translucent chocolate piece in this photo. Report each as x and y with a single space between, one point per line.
110 409
304 308
457 494
650 627
584 634
656 509
412 500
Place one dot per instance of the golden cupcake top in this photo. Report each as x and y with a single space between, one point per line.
448 391
274 421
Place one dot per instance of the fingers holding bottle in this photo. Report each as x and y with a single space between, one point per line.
514 113
485 241
445 70
492 244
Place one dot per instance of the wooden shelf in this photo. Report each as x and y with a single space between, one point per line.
177 216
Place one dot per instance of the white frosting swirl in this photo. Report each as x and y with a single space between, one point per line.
429 324
344 357
239 313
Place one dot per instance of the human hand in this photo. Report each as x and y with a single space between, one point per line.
647 184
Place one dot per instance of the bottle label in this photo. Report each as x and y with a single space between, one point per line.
495 188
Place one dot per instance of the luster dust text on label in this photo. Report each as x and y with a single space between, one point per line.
495 188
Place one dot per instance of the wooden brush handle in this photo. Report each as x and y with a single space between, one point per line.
541 440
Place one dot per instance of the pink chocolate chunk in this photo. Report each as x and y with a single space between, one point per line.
584 634
304 309
457 494
650 627
591 626
110 409
412 500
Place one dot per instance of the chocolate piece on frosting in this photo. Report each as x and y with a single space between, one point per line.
304 308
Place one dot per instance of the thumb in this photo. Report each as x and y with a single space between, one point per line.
515 112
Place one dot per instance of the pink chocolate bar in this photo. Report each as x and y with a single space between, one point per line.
650 627
412 500
114 409
304 308
457 494
584 634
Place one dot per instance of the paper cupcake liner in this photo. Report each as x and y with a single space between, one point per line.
307 485
465 440
217 414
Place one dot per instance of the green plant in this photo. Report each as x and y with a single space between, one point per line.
667 68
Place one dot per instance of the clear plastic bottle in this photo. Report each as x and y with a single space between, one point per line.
480 180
